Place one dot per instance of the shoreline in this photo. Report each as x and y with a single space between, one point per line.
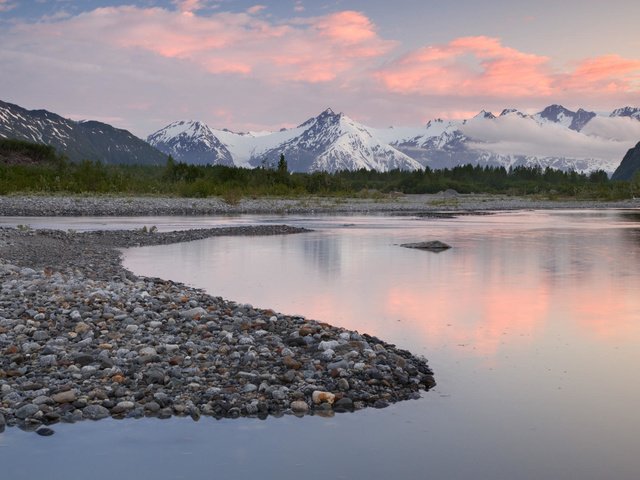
83 338
448 202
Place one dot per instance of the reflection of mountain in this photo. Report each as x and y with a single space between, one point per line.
511 283
324 253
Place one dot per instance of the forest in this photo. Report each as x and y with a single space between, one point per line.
31 168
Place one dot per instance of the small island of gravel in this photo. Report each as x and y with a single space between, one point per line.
83 338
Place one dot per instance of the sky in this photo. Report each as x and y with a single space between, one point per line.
251 65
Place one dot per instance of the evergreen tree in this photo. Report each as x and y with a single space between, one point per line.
283 168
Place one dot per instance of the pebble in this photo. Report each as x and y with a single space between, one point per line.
26 411
95 412
82 338
319 397
64 397
299 406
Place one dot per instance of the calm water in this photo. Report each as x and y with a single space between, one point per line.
531 324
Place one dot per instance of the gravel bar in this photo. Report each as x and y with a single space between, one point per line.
83 338
36 205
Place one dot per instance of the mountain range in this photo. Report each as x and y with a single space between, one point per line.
555 137
86 140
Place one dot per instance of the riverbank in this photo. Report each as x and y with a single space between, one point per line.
36 205
83 338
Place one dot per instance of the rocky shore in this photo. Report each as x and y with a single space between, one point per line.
83 338
449 201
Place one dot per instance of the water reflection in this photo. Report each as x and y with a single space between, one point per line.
511 273
324 254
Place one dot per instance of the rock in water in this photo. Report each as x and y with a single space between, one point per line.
299 406
432 246
44 432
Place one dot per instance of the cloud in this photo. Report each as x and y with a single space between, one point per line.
188 5
482 67
256 9
621 129
609 73
317 49
192 60
468 66
6 5
514 135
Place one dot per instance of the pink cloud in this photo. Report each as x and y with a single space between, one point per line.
174 57
468 66
483 67
610 73
312 50
348 27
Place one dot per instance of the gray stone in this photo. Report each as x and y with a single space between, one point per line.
380 404
27 411
123 406
337 365
48 361
152 407
344 404
40 335
154 375
193 313
95 412
249 387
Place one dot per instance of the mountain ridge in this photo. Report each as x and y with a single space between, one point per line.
332 141
84 140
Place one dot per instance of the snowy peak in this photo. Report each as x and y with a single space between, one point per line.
191 142
557 114
327 117
485 114
631 112
512 111
565 117
331 142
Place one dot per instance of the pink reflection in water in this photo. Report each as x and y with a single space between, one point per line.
508 280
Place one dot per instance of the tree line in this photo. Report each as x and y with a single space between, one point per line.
52 173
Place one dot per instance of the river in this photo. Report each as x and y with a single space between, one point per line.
531 323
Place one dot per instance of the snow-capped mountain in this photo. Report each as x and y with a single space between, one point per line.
631 112
191 142
558 114
555 137
329 142
86 140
